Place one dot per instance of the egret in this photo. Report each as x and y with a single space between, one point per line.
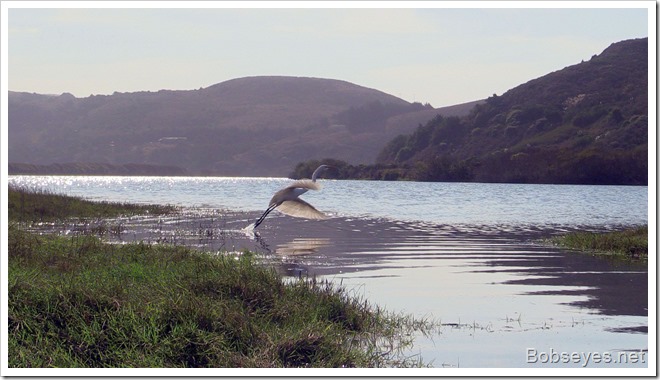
287 202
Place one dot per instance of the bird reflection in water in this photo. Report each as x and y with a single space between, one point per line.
295 257
301 247
292 257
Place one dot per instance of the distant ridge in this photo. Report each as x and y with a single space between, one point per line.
585 123
244 126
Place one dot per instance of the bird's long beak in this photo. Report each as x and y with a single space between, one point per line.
263 216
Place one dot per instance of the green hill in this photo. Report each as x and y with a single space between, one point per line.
586 123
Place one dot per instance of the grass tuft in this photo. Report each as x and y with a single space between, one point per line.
630 244
35 205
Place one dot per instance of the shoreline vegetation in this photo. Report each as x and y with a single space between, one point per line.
76 301
629 244
444 169
33 205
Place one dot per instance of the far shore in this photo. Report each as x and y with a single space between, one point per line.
146 170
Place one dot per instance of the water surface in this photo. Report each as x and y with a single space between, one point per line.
467 255
444 203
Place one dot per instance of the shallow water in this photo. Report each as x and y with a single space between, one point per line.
441 203
468 258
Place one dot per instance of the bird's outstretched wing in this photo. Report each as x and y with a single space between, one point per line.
300 209
305 184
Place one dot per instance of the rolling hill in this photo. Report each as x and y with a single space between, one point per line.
585 123
254 126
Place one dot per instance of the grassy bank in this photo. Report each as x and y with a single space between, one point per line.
24 205
629 244
79 302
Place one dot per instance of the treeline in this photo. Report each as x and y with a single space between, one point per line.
444 170
344 170
95 169
541 167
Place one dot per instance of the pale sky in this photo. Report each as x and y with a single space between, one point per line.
420 51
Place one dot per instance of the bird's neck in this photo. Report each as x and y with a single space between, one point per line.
316 173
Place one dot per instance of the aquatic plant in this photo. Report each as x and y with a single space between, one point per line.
631 243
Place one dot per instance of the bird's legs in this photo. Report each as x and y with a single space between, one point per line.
263 216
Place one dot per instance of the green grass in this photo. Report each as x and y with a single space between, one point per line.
631 244
80 302
28 205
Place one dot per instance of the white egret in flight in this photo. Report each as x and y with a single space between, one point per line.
287 202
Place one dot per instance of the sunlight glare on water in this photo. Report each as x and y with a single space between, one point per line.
455 203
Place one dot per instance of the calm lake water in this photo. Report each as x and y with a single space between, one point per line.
467 255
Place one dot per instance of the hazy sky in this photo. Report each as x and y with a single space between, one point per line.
442 56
